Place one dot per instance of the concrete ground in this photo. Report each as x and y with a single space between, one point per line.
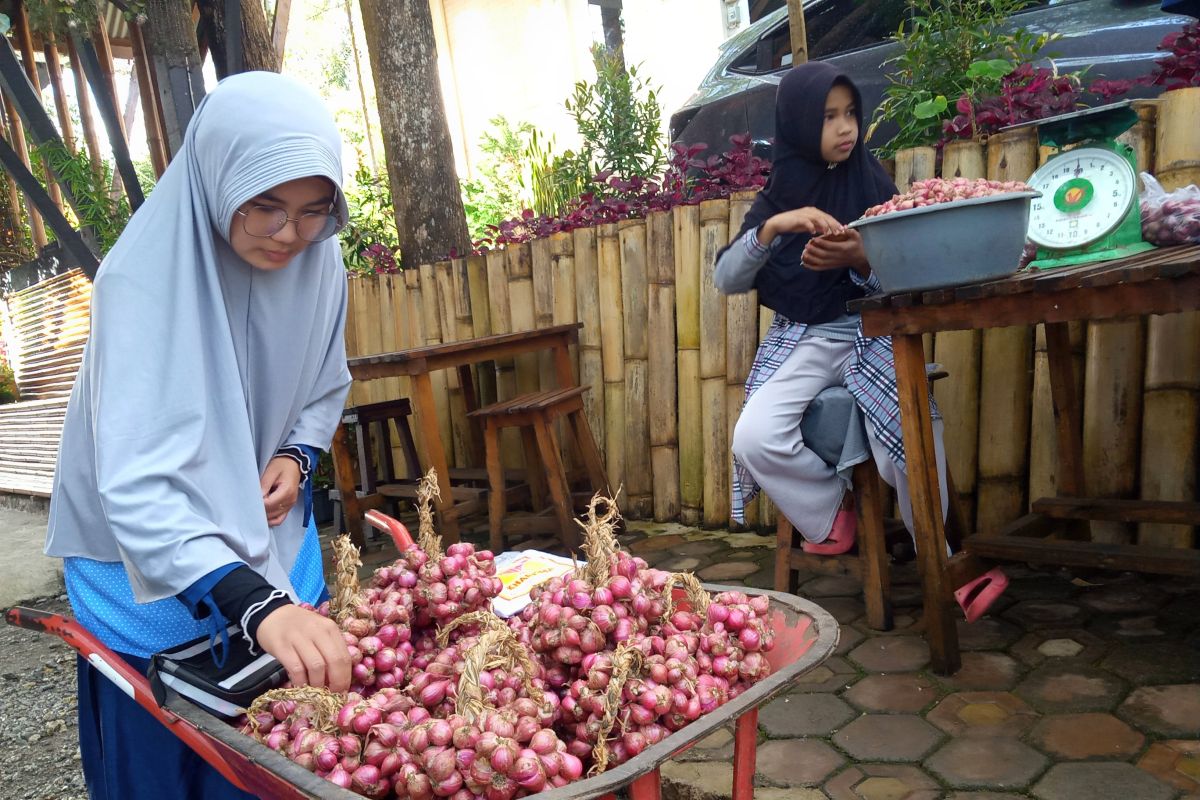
24 572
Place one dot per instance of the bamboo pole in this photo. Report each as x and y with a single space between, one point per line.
460 437
144 71
24 37
394 320
797 32
612 350
686 223
16 129
353 304
562 287
639 485
714 416
563 312
915 164
501 321
83 97
518 264
1112 417
741 339
1172 381
587 311
61 106
959 354
661 398
542 267
1006 382
512 455
481 324
14 211
1043 439
431 323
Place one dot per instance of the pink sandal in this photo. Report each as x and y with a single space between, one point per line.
840 539
977 596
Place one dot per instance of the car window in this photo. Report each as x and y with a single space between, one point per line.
832 27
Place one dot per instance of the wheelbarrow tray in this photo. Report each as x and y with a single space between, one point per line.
805 635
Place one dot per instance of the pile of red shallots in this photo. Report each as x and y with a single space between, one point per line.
940 190
449 700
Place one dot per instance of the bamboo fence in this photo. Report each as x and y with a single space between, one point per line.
665 356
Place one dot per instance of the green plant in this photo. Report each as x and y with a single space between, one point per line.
620 122
8 385
370 240
949 48
498 189
96 208
553 180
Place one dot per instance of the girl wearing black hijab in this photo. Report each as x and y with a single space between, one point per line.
795 250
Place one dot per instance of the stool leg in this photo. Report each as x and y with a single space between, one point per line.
556 475
534 468
745 745
496 496
872 549
786 579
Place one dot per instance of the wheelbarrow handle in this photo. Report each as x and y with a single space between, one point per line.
390 525
126 678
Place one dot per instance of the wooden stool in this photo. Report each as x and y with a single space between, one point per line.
872 562
535 414
362 483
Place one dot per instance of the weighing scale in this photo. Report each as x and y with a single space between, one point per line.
1089 209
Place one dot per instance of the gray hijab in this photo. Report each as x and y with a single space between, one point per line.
199 366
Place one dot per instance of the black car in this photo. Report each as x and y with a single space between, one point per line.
1114 39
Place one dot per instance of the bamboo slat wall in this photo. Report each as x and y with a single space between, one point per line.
665 355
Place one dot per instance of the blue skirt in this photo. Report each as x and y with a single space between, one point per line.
129 755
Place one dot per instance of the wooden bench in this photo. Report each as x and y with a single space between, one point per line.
536 414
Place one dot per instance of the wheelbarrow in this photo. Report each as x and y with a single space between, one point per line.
805 635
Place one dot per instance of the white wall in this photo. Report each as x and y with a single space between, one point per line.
522 58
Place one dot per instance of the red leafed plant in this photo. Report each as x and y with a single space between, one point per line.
687 180
1027 93
1181 67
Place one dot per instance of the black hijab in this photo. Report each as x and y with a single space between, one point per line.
800 177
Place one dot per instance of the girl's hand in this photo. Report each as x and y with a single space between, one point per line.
280 488
799 220
844 249
309 646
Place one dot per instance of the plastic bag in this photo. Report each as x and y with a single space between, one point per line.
1170 217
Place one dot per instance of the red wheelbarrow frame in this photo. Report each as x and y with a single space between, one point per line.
805 635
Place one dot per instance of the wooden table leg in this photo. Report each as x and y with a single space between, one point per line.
872 549
1068 435
925 494
425 410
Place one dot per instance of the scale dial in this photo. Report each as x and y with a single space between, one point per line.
1086 192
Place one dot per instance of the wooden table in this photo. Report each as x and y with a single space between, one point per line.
1161 281
418 362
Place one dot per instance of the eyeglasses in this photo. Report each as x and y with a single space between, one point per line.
264 222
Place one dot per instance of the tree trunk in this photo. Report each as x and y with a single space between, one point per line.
257 47
416 140
171 44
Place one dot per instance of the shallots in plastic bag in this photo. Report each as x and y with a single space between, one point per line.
1170 217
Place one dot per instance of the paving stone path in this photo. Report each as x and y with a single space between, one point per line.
1081 686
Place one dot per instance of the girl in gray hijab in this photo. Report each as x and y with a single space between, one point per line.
214 371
